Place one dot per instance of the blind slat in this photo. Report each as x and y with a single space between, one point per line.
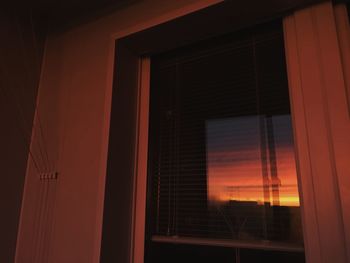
221 158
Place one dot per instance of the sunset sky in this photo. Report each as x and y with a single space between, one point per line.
234 160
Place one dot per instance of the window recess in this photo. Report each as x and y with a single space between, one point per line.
221 170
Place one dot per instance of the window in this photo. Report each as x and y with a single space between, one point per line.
222 178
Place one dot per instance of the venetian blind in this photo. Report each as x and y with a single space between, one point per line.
221 158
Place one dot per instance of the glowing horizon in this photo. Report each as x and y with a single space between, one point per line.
234 163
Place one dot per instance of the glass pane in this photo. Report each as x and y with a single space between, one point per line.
222 168
252 180
234 161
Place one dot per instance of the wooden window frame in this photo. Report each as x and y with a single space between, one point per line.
125 192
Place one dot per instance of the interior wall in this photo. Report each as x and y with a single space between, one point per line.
21 49
62 220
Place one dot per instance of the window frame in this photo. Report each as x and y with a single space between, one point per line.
123 236
275 32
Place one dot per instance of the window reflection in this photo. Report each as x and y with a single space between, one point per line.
251 176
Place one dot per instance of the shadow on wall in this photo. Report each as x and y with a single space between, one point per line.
21 50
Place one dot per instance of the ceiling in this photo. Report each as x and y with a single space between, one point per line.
60 14
54 15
